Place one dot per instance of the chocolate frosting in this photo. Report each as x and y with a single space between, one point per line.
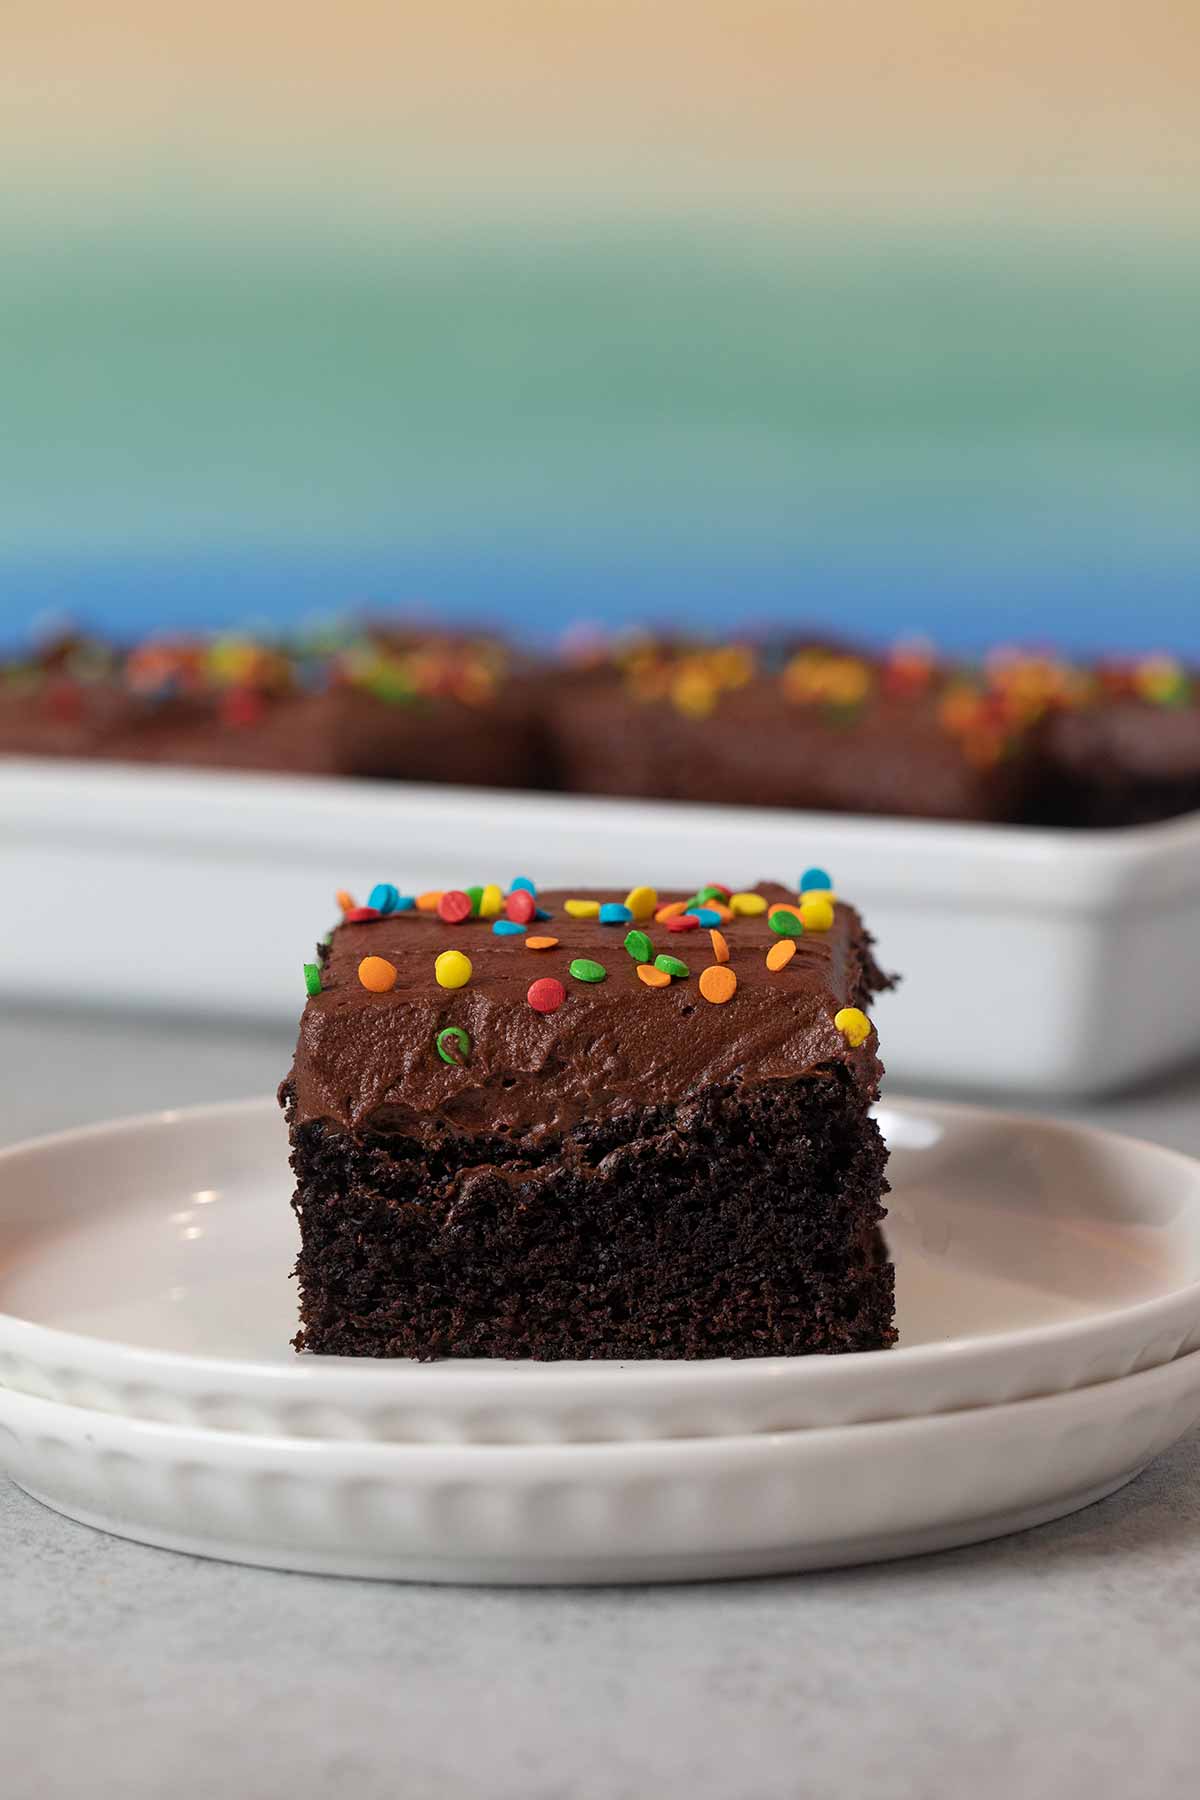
612 1047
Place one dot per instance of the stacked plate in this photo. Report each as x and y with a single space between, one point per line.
1049 1308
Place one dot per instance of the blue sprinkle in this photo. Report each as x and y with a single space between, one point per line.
815 878
384 897
540 913
405 902
507 928
521 881
613 913
705 914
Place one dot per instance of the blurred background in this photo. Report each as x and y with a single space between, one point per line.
551 310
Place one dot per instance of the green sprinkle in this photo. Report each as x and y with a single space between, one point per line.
639 946
785 924
453 1045
474 895
710 893
671 965
389 684
327 939
312 977
584 969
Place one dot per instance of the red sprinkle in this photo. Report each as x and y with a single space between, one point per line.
454 906
243 706
684 922
358 915
520 907
64 702
546 995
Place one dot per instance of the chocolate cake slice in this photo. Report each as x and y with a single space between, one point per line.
1127 762
831 730
590 1125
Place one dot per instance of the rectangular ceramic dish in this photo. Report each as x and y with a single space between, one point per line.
1055 962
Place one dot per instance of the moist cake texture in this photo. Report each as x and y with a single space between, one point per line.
637 1140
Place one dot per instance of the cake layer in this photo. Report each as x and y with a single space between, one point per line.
744 1223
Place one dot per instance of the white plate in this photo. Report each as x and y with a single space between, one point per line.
144 1270
1047 961
599 1512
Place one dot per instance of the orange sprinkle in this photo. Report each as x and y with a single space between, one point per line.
671 911
781 907
540 943
344 900
720 947
718 983
377 974
725 913
653 977
781 954
428 902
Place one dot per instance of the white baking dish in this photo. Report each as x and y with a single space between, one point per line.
1055 962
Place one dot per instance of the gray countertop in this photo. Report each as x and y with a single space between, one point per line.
1062 1662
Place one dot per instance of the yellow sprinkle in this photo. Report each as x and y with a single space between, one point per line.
491 902
720 947
428 902
733 665
853 1025
747 906
694 694
819 894
582 909
718 983
641 902
781 954
816 913
540 943
848 680
452 969
377 974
